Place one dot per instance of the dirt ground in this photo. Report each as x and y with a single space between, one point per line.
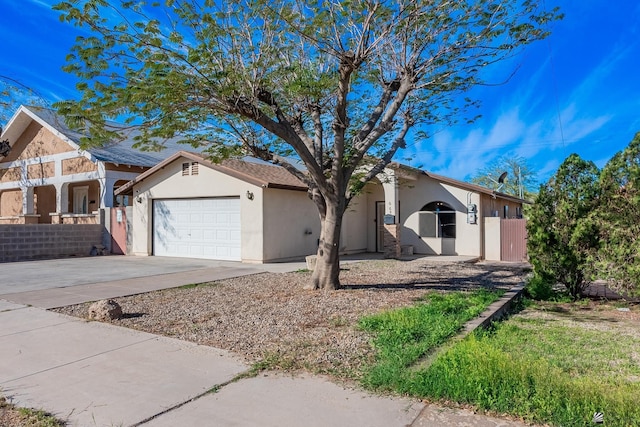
270 317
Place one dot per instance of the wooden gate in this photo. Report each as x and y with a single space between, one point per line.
119 231
513 236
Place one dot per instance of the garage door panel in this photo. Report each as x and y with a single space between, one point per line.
198 228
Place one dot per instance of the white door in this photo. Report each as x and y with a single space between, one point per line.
197 228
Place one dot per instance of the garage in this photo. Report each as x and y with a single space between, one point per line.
197 228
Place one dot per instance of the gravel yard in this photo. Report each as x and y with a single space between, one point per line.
269 317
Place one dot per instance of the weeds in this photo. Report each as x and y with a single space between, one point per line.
556 370
403 336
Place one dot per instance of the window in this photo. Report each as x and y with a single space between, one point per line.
437 219
185 169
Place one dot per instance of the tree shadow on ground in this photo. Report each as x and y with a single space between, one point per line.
430 278
133 315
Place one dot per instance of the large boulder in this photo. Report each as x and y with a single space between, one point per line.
105 310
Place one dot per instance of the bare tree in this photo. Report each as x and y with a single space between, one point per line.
339 85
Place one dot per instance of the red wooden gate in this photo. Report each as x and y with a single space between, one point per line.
513 245
119 231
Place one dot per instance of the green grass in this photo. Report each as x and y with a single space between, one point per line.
31 417
199 285
404 336
557 370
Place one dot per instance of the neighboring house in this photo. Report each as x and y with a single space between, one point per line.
47 178
187 206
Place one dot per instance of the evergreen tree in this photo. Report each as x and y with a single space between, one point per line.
618 220
560 238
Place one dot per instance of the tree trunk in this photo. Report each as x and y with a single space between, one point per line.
326 275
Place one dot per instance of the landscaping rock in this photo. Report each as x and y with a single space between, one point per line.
105 310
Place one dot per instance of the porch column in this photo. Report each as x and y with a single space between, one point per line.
106 192
391 194
27 200
62 202
391 209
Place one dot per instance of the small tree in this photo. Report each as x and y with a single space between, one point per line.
340 85
561 237
618 220
520 176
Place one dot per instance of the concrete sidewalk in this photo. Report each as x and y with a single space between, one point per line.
96 374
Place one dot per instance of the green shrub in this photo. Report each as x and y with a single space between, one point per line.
539 288
560 239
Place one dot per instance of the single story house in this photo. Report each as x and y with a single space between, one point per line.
45 177
248 211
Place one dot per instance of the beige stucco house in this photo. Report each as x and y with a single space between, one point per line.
248 211
47 178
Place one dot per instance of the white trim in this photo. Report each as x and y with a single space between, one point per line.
42 159
71 178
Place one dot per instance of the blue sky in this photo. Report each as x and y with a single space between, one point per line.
576 92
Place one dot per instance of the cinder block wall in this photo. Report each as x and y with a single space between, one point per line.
21 242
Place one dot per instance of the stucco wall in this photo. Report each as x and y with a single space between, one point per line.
415 194
11 174
492 238
41 170
291 224
169 183
11 203
354 226
36 141
77 165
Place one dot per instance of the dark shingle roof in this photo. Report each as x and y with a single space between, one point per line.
256 173
270 176
121 152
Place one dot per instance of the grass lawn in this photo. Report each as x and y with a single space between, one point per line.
403 336
551 363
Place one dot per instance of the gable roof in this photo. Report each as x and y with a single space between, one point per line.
119 153
260 174
459 184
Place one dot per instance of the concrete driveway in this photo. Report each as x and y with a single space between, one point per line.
60 282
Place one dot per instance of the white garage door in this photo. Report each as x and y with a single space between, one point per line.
197 228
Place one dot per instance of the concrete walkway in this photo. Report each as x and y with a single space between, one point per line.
96 374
